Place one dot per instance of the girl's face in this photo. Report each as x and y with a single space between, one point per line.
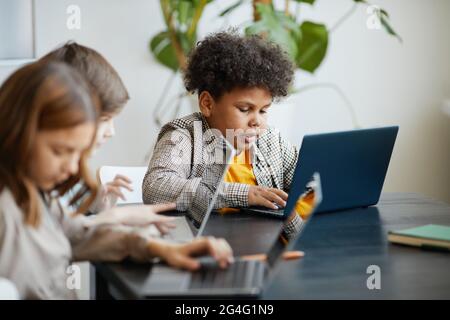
105 130
242 111
56 154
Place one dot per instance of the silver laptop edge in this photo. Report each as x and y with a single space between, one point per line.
230 154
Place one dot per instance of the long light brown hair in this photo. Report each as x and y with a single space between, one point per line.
41 96
97 71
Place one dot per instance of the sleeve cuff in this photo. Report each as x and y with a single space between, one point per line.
236 194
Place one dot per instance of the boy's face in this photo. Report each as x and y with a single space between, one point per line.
240 115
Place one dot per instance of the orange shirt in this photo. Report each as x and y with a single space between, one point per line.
241 170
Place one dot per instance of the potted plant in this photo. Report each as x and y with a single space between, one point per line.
306 42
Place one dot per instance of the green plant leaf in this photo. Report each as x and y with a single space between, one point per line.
276 27
384 19
306 1
231 8
184 8
162 50
313 46
186 42
288 23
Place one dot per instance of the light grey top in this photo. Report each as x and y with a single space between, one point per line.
36 260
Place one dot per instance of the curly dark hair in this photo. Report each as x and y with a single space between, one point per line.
225 60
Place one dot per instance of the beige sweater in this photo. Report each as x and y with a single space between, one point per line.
36 260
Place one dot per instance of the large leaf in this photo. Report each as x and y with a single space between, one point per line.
306 1
231 8
312 47
184 12
288 23
186 42
276 27
162 50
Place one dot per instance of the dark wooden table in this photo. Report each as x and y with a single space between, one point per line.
338 246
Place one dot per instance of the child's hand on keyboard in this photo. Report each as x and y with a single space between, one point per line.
271 198
183 255
208 262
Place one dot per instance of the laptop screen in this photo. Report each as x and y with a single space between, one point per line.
204 200
307 203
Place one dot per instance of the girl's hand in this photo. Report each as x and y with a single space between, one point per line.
182 256
138 215
110 192
113 188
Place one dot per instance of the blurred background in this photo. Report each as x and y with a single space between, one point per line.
366 78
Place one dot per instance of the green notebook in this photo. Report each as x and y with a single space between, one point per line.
431 236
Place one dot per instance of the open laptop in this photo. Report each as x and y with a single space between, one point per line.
182 232
352 165
203 205
243 278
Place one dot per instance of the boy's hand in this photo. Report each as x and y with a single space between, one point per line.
263 196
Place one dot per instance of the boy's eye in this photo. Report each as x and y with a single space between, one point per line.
244 109
263 111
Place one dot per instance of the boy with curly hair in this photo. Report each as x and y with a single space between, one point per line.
236 79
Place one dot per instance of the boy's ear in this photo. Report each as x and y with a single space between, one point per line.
206 103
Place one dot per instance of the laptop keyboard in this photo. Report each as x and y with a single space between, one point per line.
240 274
274 212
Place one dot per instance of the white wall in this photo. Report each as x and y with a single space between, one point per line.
16 25
387 82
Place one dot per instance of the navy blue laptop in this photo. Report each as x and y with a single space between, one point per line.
352 165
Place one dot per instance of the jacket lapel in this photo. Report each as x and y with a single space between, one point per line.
265 173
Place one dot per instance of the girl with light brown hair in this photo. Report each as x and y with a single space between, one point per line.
112 94
48 118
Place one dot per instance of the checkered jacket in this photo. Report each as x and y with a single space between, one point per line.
184 170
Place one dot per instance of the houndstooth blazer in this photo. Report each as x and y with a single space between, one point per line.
184 168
